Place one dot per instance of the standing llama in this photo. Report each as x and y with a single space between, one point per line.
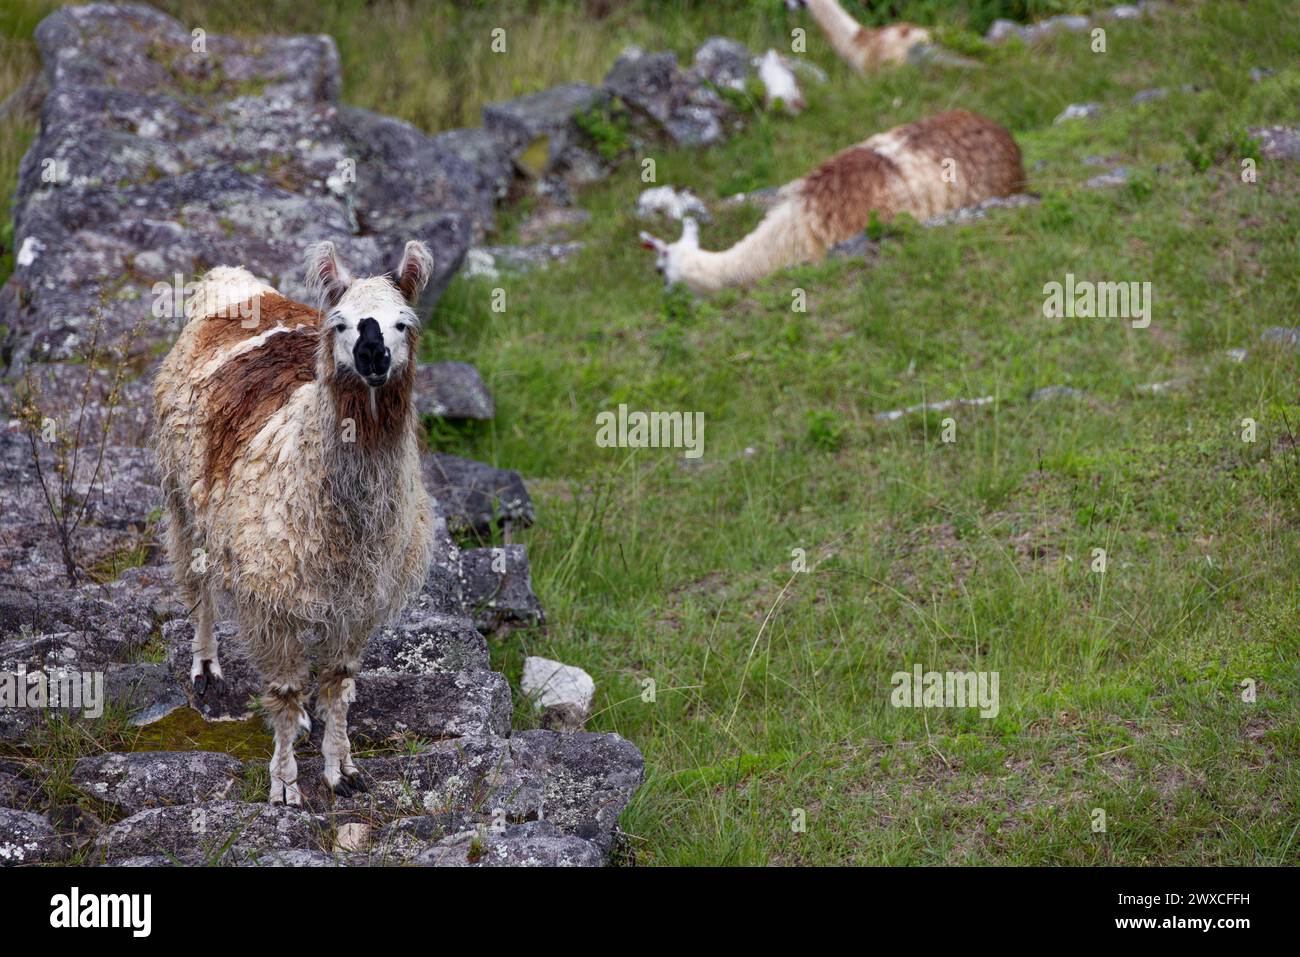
944 162
289 451
863 48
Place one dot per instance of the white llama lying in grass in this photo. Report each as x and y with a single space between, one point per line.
289 451
944 162
863 48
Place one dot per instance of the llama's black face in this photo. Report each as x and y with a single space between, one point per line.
370 357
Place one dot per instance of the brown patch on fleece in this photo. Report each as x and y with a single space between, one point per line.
843 192
352 398
250 319
249 388
988 159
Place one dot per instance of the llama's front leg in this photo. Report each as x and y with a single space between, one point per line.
337 689
284 704
205 668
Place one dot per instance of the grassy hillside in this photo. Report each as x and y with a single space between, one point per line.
1120 690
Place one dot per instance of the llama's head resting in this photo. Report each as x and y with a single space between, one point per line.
669 256
369 321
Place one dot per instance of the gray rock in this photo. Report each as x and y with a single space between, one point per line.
145 779
1277 142
271 857
431 706
1065 23
1078 111
677 103
523 122
533 844
474 496
497 587
580 782
403 840
449 776
431 644
723 62
857 247
1260 74
485 153
27 839
202 830
1113 177
149 692
453 390
1149 96
969 214
19 793
524 258
1281 335
156 183
1049 392
1002 28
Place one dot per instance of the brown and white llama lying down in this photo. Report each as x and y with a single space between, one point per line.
925 168
288 446
863 48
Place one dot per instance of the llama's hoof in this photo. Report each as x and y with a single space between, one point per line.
209 679
341 788
358 783
285 795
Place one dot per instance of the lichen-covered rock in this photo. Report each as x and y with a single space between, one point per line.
19 793
114 495
27 838
430 707
147 691
689 111
156 162
1277 142
474 496
544 123
453 390
497 587
426 645
144 779
533 844
203 830
452 775
580 782
403 840
724 62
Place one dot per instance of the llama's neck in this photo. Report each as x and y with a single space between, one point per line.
840 29
781 239
368 439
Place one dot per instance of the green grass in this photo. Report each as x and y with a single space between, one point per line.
760 695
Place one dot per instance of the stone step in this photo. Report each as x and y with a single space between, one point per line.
139 780
497 588
210 831
430 707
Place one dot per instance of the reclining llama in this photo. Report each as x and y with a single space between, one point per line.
944 162
288 446
863 48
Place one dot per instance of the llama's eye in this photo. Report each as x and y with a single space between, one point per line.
341 327
401 327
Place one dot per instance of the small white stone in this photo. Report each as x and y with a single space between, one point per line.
551 682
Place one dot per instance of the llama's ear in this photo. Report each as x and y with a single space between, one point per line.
650 242
414 270
327 278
